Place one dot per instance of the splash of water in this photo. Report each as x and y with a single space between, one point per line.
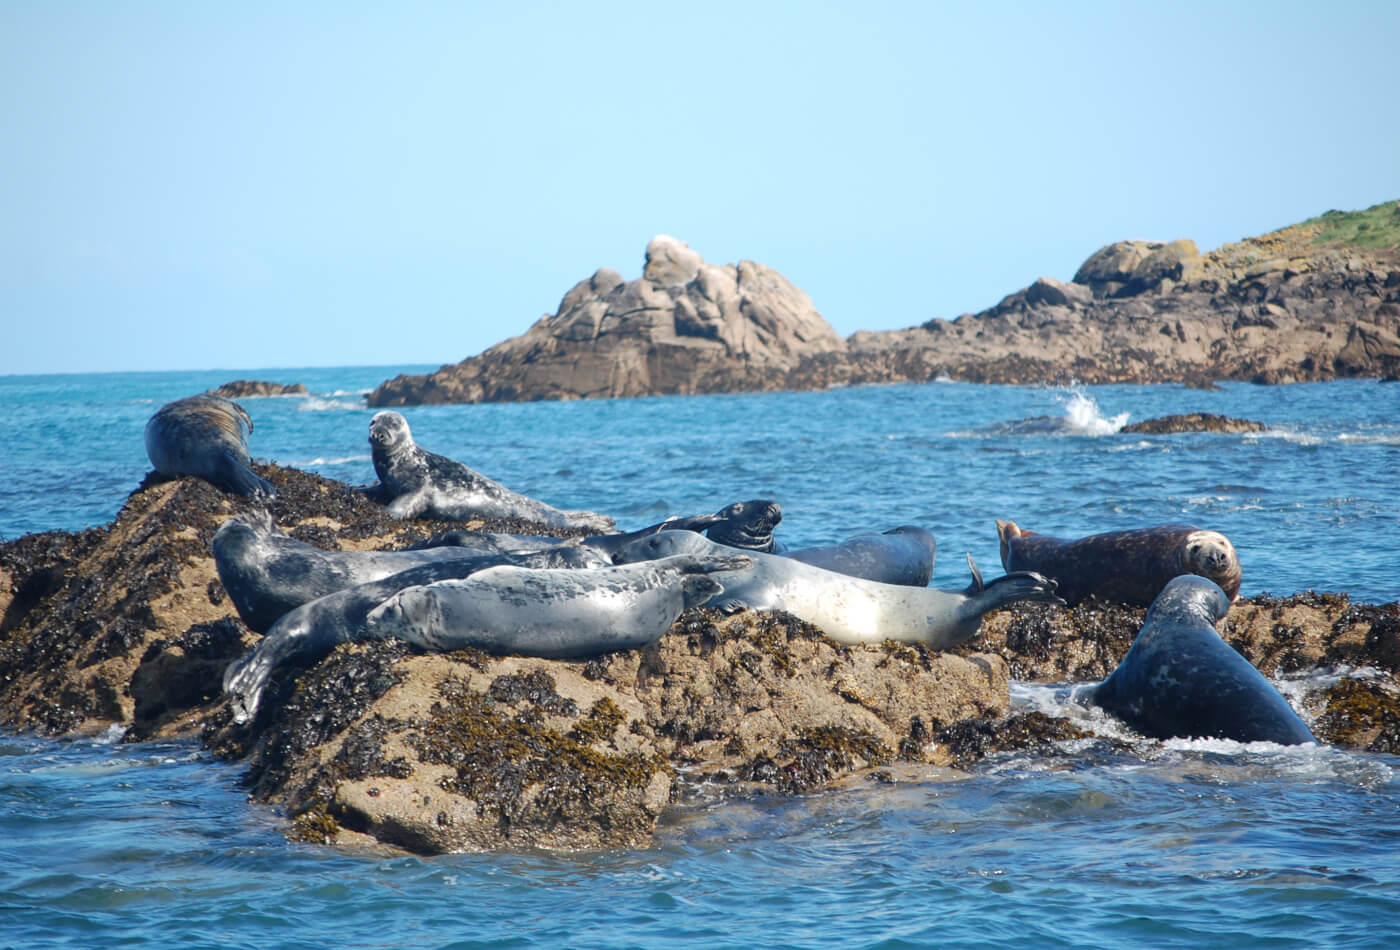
1082 414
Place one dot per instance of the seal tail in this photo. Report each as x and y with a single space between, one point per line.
1007 531
1018 585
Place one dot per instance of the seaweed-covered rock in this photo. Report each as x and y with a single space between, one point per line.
246 388
1193 422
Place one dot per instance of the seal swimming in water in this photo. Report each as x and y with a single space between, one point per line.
267 573
1126 567
747 525
504 609
850 609
205 436
421 483
902 555
1180 679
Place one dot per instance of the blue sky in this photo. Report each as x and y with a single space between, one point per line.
250 185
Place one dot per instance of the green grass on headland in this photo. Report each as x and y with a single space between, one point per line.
1377 226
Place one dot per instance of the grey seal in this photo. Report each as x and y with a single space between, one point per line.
605 544
747 525
557 613
1180 679
267 573
205 436
902 555
418 483
850 609
1127 567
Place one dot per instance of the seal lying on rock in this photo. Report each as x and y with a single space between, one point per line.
205 436
419 483
605 544
267 573
902 555
849 609
503 609
1180 679
1126 567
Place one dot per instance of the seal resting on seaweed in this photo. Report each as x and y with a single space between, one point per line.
850 609
1126 567
205 436
419 483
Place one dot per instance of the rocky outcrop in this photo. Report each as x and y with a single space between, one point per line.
244 388
684 326
1193 422
1311 302
128 625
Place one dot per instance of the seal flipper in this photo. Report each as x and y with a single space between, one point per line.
976 587
246 678
231 474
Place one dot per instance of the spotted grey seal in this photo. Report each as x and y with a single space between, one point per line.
850 609
902 555
606 544
205 436
1180 679
420 483
505 609
1127 567
268 573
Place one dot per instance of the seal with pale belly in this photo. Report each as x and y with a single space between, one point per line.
556 613
850 609
902 555
1181 680
205 436
267 573
1126 567
419 483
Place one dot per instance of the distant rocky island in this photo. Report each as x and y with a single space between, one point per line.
1314 301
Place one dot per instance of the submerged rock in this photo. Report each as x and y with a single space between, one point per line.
245 388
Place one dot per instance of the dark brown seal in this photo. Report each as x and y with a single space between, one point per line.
1126 567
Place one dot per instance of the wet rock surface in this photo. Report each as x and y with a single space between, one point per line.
245 388
378 744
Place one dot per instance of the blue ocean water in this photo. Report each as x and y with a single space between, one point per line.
1181 844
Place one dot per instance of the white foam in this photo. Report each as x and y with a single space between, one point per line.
1084 417
317 404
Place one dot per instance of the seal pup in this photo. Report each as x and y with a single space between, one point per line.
267 573
1180 679
504 609
419 483
205 436
1126 567
850 609
902 555
747 525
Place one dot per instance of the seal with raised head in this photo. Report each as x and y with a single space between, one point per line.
1181 680
851 609
205 436
505 609
747 525
418 483
1126 567
902 555
267 573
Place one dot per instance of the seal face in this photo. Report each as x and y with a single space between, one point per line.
268 573
851 609
1180 679
419 483
747 525
902 555
1128 567
504 609
205 436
